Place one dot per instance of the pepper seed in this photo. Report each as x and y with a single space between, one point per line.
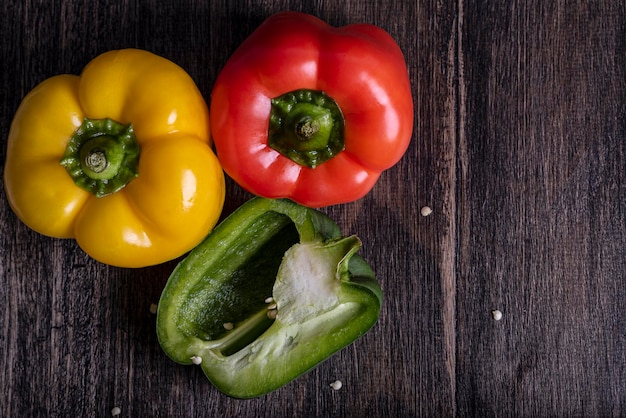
196 360
269 299
271 314
228 326
336 385
496 314
426 210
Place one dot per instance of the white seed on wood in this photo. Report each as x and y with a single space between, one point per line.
228 326
336 385
496 314
196 360
116 411
426 210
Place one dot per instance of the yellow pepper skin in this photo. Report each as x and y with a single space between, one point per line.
175 197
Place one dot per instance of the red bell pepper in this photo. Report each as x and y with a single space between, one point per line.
311 112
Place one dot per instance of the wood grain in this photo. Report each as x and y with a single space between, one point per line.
519 149
542 210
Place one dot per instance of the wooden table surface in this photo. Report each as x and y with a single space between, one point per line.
519 148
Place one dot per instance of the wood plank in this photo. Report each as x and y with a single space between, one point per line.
542 210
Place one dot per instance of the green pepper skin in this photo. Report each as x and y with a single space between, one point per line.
326 297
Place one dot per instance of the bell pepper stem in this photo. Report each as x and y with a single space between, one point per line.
102 156
306 126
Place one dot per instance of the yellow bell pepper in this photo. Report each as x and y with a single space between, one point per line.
118 158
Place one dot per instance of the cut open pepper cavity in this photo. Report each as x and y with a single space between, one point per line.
273 291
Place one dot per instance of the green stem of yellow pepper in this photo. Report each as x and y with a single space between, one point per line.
102 156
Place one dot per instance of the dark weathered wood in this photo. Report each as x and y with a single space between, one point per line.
542 206
518 148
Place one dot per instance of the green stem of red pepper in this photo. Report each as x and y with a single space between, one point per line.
306 126
102 156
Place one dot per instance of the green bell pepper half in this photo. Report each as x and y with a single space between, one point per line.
274 290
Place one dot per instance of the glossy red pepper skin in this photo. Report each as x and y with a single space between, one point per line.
360 66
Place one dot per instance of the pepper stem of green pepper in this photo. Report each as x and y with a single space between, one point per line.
102 156
306 126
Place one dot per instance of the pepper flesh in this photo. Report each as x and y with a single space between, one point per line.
175 199
360 67
325 296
